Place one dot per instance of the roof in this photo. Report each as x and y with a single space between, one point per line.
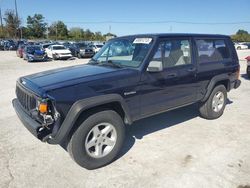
178 35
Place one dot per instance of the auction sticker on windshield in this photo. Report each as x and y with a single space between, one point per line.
142 40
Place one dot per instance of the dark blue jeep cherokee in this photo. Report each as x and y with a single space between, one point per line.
86 108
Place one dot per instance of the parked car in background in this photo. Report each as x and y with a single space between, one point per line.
247 44
34 53
81 50
46 45
10 45
95 47
1 44
239 46
19 51
248 66
58 52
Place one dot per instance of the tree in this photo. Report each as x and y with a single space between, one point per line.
58 30
76 33
36 26
99 36
241 36
12 23
241 32
88 35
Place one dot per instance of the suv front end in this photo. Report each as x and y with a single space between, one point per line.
37 114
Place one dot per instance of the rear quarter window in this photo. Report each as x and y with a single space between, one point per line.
212 50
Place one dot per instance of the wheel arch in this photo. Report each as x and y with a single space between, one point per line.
86 107
222 79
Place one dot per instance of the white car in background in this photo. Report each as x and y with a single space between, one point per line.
58 52
239 46
95 47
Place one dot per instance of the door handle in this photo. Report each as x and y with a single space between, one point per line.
172 75
193 69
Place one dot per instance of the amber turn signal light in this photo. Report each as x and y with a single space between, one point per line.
43 108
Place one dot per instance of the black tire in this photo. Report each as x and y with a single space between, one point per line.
238 48
79 56
54 57
206 109
77 148
248 72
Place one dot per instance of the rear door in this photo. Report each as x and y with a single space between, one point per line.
213 58
176 85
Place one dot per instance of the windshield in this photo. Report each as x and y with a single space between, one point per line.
59 48
32 49
81 45
125 52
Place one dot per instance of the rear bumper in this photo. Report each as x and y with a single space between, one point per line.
27 121
61 56
87 54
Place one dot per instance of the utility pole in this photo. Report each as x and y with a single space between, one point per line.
17 17
1 18
16 9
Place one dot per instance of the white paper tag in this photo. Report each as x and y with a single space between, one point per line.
142 40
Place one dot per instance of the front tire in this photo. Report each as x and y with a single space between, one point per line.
214 107
79 56
54 57
98 140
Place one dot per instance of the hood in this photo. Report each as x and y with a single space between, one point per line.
63 77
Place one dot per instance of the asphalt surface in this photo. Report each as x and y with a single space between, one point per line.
174 149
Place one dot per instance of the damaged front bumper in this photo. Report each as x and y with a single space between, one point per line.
36 128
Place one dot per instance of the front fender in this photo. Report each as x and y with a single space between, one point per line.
78 107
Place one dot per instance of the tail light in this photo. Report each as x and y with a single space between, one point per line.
248 58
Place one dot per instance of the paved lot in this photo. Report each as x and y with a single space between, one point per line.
174 149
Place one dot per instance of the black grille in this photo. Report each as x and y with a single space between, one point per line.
26 100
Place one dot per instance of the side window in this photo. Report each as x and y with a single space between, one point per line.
212 50
173 53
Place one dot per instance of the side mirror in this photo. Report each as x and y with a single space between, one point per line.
155 66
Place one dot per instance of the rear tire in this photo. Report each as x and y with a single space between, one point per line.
79 56
248 72
214 107
88 146
54 57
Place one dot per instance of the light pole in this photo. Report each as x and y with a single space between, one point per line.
1 18
18 29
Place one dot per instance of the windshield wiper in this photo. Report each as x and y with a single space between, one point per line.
111 63
93 62
104 63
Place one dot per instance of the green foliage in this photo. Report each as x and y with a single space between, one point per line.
12 23
58 30
241 36
36 26
76 33
241 32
